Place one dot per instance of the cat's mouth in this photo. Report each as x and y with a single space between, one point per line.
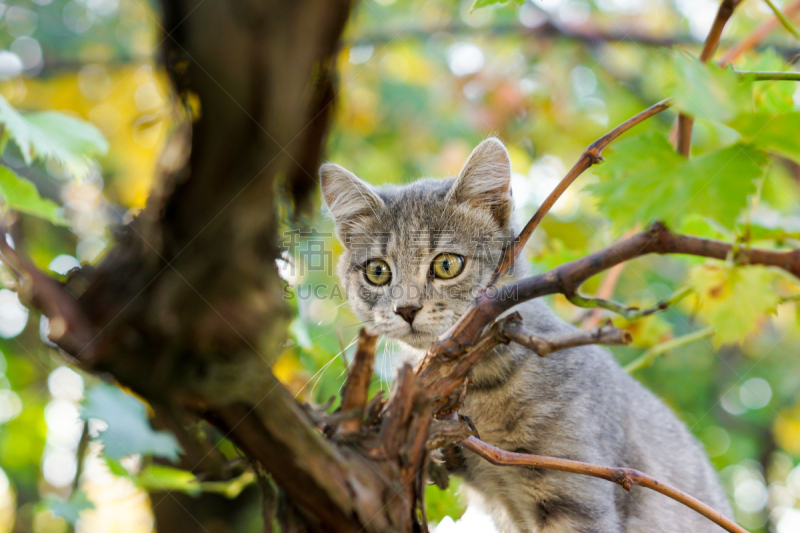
415 335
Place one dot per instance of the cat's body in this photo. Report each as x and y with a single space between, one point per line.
575 404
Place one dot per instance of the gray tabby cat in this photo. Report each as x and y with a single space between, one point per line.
414 259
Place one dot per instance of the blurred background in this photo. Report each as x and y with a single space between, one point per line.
422 82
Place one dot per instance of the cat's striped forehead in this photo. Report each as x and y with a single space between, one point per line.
419 220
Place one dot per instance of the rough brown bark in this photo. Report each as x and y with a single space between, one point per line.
187 307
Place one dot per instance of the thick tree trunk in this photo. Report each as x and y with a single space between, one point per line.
187 308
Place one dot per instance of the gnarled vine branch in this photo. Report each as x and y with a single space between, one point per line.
626 477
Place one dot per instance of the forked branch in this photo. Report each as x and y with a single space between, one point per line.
591 156
455 353
626 477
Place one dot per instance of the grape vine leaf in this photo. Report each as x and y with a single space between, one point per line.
647 180
733 299
773 132
22 195
129 431
707 91
51 135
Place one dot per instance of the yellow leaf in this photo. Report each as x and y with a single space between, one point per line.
787 430
734 300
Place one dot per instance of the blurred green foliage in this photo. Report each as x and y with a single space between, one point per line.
422 82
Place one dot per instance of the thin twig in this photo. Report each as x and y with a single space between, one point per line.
586 32
782 19
80 456
761 75
591 156
758 34
629 313
685 122
626 477
647 358
269 498
606 290
69 326
543 346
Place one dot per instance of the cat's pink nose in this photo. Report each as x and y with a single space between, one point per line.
408 312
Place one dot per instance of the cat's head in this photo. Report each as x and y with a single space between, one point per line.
417 255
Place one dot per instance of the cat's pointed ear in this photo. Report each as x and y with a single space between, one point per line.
485 180
348 198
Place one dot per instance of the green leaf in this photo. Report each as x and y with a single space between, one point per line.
71 509
22 195
56 136
774 133
440 503
115 467
706 91
733 299
483 3
129 430
700 226
647 180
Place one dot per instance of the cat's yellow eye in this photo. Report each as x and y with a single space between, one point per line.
377 272
446 266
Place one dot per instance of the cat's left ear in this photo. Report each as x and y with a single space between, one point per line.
485 180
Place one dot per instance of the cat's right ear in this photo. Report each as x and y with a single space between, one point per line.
349 199
485 181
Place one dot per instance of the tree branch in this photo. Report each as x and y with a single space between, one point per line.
647 358
543 346
782 19
69 325
758 75
626 477
453 355
591 156
586 32
685 122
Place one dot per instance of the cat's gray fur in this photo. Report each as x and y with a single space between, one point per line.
575 404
